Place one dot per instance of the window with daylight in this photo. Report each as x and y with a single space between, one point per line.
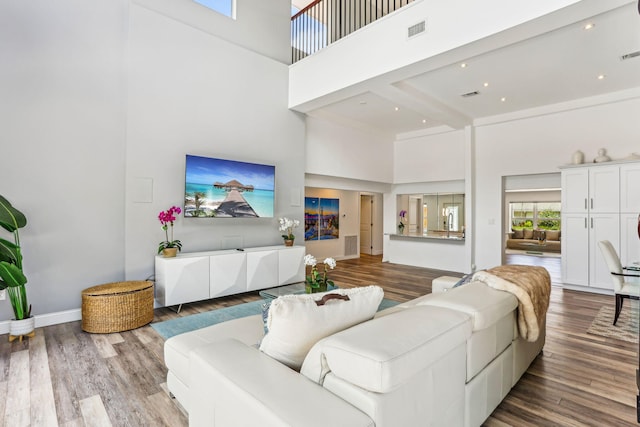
535 215
225 7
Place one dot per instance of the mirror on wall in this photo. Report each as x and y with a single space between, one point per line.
438 215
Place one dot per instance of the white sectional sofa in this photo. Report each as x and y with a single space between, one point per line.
445 359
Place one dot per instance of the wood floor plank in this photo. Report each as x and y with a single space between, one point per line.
18 393
94 412
164 407
18 418
43 405
3 400
5 356
103 345
58 337
78 422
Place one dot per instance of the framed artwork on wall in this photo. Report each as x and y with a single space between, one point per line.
321 218
311 206
329 219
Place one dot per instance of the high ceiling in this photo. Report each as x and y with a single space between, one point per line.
567 64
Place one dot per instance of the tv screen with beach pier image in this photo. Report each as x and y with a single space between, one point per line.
218 188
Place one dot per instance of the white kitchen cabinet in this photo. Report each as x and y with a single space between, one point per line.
575 190
591 189
593 201
602 227
202 275
630 188
604 189
575 249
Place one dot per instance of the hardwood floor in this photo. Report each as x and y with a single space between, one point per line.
67 377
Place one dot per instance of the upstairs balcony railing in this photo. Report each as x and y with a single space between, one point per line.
324 21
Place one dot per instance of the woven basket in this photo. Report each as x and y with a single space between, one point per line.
117 307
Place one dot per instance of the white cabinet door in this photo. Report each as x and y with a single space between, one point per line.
291 265
604 189
602 227
228 274
575 249
182 279
575 190
629 239
262 269
630 188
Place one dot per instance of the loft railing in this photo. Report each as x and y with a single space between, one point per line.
324 21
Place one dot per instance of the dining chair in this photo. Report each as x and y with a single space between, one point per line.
622 287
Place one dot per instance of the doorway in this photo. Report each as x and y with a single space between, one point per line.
531 216
366 224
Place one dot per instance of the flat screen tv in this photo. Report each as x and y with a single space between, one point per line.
219 188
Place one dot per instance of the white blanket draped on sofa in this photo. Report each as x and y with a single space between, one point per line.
530 285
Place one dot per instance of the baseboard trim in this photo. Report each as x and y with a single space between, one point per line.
48 319
342 258
586 289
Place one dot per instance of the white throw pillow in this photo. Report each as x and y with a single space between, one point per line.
296 323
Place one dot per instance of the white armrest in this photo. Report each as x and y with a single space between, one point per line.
232 384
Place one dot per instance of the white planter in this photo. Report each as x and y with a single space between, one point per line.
22 327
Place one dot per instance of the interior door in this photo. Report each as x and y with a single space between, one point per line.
366 224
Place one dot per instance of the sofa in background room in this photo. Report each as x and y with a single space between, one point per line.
523 240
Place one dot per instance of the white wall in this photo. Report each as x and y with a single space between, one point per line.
347 152
539 145
192 93
100 102
437 157
63 143
258 24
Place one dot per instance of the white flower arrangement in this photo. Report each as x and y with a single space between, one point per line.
287 225
316 280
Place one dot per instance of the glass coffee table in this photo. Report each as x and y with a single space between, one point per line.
536 248
295 288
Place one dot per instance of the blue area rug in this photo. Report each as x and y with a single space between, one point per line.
172 327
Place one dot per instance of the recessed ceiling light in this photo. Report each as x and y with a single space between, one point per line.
424 120
463 65
601 77
589 26
486 84
503 99
396 108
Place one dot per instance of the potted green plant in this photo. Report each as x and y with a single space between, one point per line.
12 277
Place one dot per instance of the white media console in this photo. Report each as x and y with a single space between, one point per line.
203 275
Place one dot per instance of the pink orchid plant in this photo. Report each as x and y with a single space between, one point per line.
166 219
403 216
